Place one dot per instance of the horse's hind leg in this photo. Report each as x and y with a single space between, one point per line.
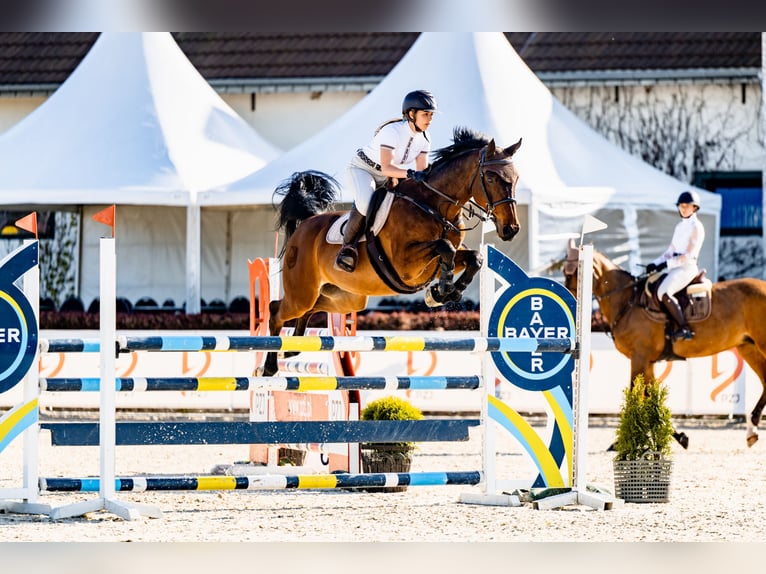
300 329
270 367
757 361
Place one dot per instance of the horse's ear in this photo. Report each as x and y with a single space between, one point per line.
510 150
491 148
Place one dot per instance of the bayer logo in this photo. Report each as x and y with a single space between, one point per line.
18 326
539 311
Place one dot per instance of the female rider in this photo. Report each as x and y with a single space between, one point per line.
681 260
399 149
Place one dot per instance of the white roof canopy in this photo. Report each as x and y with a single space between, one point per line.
135 123
480 82
566 168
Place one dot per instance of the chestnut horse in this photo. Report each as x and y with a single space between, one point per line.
422 237
736 320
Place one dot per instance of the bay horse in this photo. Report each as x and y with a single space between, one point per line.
736 320
422 237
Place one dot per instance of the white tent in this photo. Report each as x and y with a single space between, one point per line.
135 124
567 169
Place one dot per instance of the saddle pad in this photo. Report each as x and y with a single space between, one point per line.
335 233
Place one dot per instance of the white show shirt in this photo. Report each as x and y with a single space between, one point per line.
405 144
688 236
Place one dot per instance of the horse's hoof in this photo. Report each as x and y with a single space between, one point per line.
259 371
430 300
751 440
611 448
682 439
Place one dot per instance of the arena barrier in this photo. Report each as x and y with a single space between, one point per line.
520 306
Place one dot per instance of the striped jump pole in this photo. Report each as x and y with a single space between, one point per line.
312 383
264 482
319 343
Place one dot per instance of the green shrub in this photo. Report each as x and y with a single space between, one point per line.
391 409
645 427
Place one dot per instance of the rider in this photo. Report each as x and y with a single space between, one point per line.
399 149
681 260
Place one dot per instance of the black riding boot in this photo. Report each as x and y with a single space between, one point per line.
674 309
348 255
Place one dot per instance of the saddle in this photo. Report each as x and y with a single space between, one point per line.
377 214
695 299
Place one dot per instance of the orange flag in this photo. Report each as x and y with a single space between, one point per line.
106 216
28 223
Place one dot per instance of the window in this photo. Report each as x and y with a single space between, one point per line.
741 199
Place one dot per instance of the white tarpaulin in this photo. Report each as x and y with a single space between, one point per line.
567 169
134 124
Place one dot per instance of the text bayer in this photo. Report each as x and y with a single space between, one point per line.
537 332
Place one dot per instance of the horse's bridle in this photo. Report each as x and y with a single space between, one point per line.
489 212
598 298
507 186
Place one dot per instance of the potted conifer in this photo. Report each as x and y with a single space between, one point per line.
388 457
642 465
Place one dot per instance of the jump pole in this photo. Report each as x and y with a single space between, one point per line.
107 500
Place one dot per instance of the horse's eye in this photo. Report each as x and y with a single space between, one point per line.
490 178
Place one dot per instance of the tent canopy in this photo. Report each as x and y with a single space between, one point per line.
135 123
566 168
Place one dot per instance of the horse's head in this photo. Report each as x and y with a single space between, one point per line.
607 275
496 193
570 267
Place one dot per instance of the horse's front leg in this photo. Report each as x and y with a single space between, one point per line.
443 291
470 261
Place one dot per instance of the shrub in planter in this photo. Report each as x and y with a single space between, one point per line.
644 435
388 457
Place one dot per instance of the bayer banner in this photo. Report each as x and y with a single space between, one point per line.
537 308
534 308
18 325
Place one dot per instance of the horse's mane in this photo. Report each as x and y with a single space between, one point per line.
463 140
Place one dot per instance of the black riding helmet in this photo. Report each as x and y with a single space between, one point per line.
419 100
689 197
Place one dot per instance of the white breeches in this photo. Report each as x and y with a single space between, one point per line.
362 180
677 279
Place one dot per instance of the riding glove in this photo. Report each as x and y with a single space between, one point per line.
416 175
651 268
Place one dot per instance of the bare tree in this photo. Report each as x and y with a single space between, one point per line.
681 130
677 129
57 259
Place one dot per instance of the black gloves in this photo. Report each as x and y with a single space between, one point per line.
419 176
651 268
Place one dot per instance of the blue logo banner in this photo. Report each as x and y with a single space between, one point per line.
18 325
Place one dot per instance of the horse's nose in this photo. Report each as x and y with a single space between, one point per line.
509 232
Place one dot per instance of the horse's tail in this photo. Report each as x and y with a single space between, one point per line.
305 194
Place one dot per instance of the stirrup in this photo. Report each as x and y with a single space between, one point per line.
684 333
347 258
